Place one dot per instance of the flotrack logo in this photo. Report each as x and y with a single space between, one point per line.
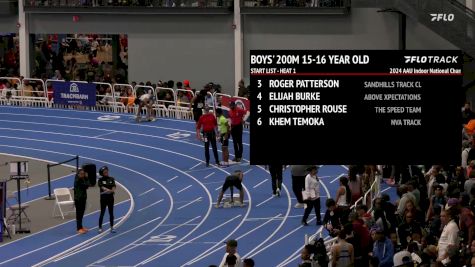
442 17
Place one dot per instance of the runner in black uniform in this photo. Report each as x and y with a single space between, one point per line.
234 180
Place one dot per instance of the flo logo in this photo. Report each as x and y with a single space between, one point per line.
442 17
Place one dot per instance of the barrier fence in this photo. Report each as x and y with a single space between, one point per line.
116 98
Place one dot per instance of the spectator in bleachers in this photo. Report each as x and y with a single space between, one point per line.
343 198
394 238
332 221
380 220
437 200
362 240
306 255
404 197
342 252
382 248
198 103
412 188
467 220
182 100
419 216
248 262
407 228
449 238
27 89
467 113
460 177
362 211
243 91
356 187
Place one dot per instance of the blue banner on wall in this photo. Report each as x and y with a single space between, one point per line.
71 93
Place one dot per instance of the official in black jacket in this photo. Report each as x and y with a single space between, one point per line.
107 189
81 184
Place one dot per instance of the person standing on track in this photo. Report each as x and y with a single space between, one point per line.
236 115
107 188
312 195
208 122
224 130
81 184
298 173
276 175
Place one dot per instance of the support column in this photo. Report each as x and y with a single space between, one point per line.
238 43
402 31
470 30
24 41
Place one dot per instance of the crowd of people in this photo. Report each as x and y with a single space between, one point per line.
431 224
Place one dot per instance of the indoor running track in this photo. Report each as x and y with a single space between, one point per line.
171 219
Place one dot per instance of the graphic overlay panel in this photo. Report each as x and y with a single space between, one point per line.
356 107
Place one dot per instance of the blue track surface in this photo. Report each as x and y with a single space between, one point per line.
173 221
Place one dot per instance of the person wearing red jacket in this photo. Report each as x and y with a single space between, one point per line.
236 115
208 125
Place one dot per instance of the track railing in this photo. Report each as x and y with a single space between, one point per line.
117 98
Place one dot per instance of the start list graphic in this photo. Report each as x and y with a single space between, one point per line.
356 107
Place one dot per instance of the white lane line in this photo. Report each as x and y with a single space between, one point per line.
338 177
115 236
217 188
293 255
148 191
260 183
344 167
265 201
209 175
218 182
186 205
169 180
249 255
210 252
95 120
198 164
181 190
132 246
276 230
246 172
51 244
156 256
153 204
121 153
67 165
101 135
